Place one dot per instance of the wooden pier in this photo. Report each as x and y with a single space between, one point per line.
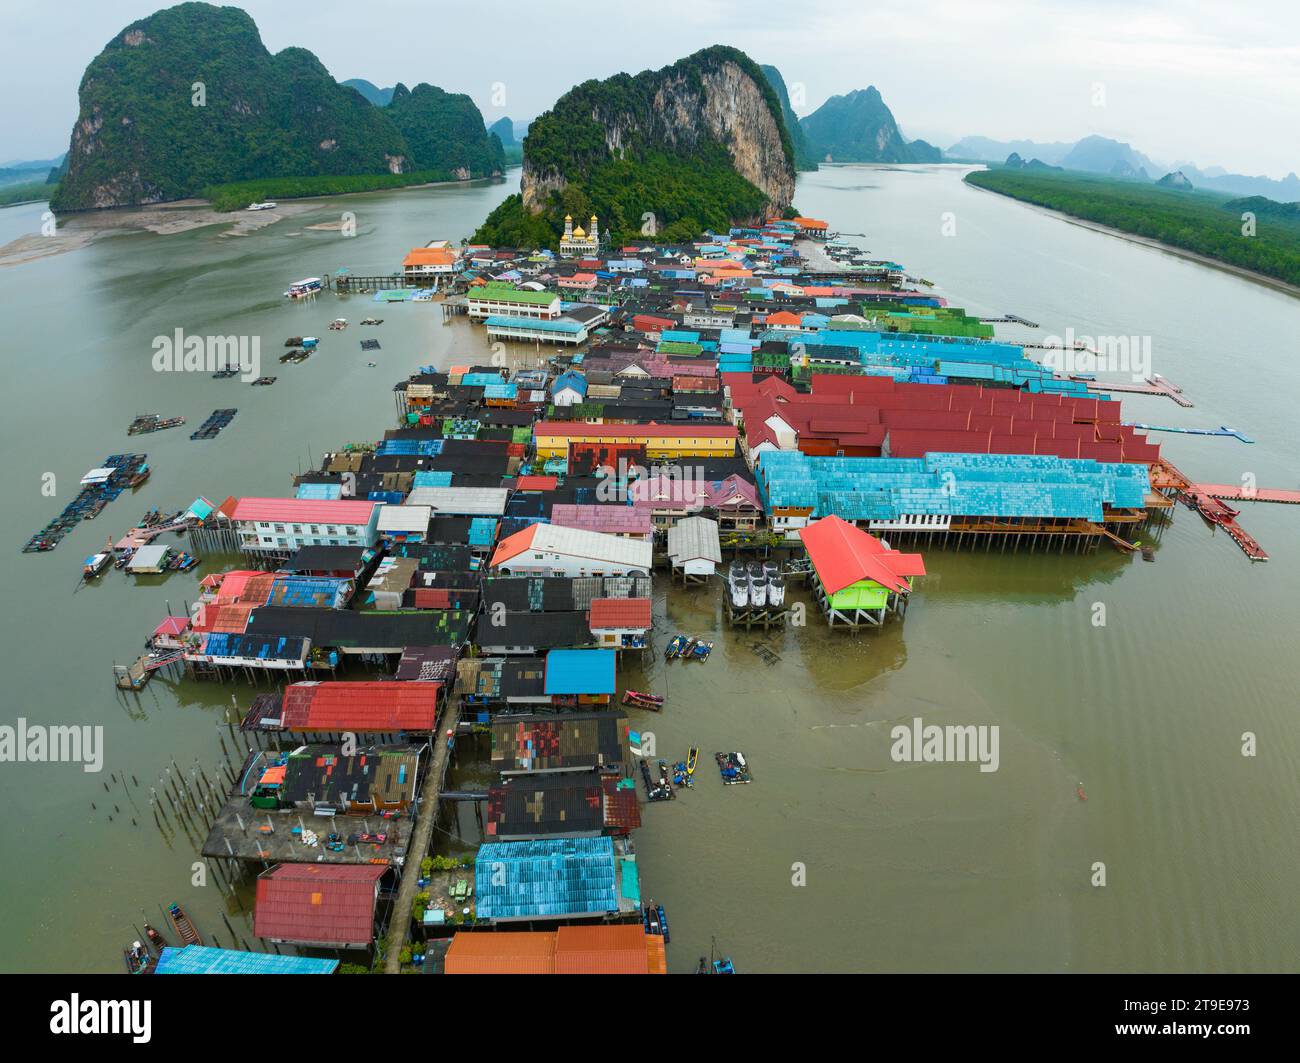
1165 476
136 675
1237 493
1155 385
753 616
399 927
1010 319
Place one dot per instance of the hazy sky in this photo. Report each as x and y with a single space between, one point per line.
1210 83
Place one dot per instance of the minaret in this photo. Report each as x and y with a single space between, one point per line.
594 231
568 227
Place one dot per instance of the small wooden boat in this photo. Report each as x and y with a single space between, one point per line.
692 759
637 697
183 926
675 647
155 939
700 650
137 958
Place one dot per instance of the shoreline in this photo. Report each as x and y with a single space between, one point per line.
1264 279
83 228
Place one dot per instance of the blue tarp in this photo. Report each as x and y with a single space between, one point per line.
580 672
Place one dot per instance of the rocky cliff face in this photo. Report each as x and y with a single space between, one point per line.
714 99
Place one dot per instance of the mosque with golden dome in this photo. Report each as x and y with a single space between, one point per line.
578 242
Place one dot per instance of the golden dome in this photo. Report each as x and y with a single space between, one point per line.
579 232
568 217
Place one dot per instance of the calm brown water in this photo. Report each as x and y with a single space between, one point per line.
907 867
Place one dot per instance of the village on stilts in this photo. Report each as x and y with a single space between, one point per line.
765 421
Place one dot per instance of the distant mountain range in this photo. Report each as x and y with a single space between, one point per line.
504 128
379 97
859 127
1103 155
190 98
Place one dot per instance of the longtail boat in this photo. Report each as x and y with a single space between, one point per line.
183 926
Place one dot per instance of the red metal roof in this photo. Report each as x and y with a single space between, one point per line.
536 483
317 903
631 613
364 707
843 554
513 545
574 430
432 598
298 510
221 617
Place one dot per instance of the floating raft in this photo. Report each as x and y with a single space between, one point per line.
152 422
99 487
216 421
733 768
370 345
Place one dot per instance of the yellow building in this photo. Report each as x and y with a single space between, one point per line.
662 441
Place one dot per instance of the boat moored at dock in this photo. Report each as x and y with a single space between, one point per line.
306 287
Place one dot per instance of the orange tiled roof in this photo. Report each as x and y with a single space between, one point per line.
429 256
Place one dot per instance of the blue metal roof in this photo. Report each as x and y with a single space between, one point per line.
482 531
570 379
580 672
203 959
320 492
545 877
956 484
560 324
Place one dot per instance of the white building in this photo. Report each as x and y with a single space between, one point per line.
548 550
280 525
693 546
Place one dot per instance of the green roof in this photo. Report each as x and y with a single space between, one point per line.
503 293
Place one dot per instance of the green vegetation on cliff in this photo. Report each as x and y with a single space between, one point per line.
859 127
1205 223
190 97
654 152
690 195
444 131
804 159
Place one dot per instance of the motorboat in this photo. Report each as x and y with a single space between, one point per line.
95 564
305 287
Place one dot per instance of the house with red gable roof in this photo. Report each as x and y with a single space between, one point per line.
857 578
321 905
